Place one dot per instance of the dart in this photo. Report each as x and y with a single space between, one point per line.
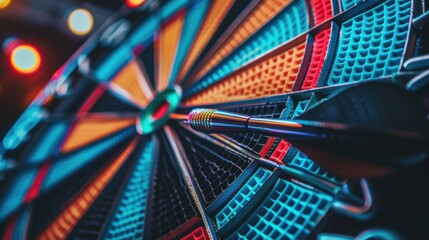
362 149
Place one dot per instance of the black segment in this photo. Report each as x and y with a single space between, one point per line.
49 206
172 202
234 13
110 103
91 224
147 58
256 142
215 168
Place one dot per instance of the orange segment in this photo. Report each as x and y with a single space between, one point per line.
88 130
216 14
69 217
166 47
132 82
271 76
264 12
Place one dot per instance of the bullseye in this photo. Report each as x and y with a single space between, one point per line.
161 110
157 113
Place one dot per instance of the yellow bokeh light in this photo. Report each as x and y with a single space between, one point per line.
4 3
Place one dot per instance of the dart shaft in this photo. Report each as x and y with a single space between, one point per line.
216 121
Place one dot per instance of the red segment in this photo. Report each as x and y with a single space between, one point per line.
322 10
10 228
34 189
37 184
280 151
267 146
89 103
161 110
198 234
320 48
137 50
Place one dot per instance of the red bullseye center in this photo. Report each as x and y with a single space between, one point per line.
161 110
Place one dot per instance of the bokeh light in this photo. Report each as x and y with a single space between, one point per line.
80 21
25 58
134 3
4 3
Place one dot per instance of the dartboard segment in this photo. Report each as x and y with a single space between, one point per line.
94 127
372 44
260 15
61 227
271 76
213 19
132 85
49 166
194 18
289 23
166 47
129 214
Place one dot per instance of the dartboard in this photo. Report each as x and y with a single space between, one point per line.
100 153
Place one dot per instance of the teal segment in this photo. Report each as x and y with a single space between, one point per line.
171 8
13 196
194 18
146 123
25 123
291 22
128 217
20 230
48 143
64 167
242 197
289 212
301 161
300 108
372 44
122 55
349 3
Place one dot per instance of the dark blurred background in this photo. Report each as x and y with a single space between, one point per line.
44 25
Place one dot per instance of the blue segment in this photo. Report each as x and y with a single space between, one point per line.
291 22
300 108
372 44
194 19
128 218
242 197
16 190
48 143
303 162
349 3
64 167
289 212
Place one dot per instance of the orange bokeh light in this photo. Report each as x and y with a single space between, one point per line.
25 58
134 3
4 3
